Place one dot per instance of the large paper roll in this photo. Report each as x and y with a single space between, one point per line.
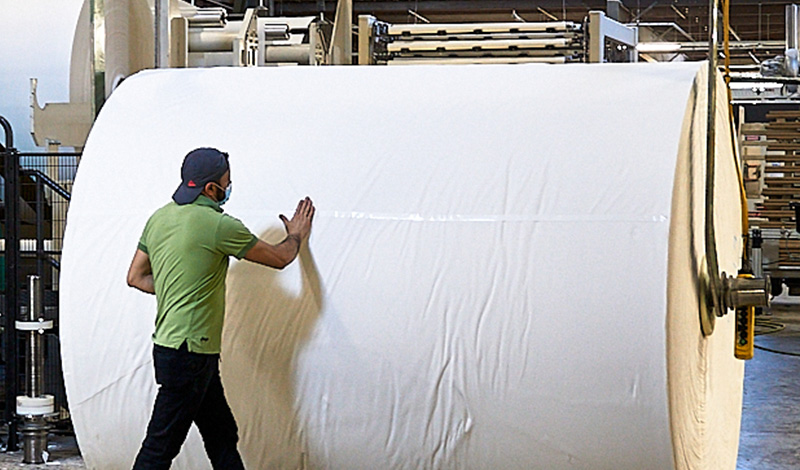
502 271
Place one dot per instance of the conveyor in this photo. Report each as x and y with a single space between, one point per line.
478 28
519 42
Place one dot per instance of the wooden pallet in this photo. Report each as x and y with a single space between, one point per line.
791 158
777 203
782 169
782 181
781 192
774 224
783 114
782 146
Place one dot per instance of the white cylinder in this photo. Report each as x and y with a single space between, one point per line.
792 27
296 53
35 406
276 31
501 274
213 39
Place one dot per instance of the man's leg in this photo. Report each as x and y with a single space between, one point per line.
182 379
218 427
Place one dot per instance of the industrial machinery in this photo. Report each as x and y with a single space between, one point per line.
35 406
598 39
774 80
188 36
205 37
112 43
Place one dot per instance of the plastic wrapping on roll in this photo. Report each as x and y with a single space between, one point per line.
502 271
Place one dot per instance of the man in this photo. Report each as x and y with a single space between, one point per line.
182 258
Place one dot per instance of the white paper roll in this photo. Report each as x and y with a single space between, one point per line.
501 274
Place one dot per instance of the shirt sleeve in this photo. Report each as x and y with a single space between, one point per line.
233 238
143 238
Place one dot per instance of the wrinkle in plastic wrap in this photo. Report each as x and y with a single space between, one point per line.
500 273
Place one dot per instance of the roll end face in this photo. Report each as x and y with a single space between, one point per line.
706 301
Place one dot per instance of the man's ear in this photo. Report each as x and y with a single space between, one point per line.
209 190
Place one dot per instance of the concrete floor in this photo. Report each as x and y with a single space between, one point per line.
770 435
63 453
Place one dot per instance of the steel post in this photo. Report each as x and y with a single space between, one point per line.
11 235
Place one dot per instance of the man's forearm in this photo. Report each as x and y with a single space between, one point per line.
289 248
140 274
275 256
144 284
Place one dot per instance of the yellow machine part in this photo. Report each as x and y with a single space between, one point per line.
745 316
745 324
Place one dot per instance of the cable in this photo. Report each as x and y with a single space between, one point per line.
734 141
772 327
782 260
776 351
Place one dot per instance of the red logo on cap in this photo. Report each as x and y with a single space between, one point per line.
191 184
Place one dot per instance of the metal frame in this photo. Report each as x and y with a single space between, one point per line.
11 235
13 174
469 43
341 47
482 28
97 40
602 28
161 33
245 44
366 34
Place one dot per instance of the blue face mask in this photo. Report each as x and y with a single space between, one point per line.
227 193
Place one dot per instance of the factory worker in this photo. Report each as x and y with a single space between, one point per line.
182 258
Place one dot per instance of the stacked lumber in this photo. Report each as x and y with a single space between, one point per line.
782 170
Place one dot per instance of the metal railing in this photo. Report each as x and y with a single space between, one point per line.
36 194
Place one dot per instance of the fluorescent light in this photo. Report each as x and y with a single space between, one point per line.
658 47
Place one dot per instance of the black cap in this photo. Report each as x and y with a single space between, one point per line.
200 166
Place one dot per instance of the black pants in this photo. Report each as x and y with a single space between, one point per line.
189 391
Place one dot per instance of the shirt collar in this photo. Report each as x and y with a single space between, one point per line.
203 200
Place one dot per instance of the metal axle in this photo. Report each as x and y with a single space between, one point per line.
734 292
744 292
34 406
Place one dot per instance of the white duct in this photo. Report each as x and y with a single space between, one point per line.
502 271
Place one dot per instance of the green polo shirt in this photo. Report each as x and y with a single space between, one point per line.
189 246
